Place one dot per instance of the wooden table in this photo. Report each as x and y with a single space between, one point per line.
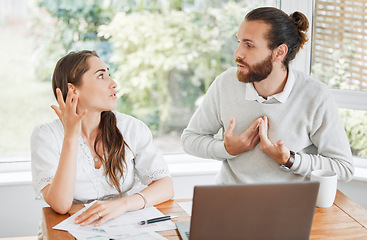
344 220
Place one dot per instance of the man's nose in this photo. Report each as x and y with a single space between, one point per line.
238 53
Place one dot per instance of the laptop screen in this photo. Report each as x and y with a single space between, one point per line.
253 211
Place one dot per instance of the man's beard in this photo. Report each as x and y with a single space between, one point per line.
256 72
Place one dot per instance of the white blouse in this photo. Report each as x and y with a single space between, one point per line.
144 162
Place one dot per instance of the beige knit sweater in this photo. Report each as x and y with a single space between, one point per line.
307 121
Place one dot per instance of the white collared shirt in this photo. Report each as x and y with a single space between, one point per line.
252 94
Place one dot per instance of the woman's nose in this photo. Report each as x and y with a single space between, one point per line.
113 83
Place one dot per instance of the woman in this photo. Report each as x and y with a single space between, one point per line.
94 153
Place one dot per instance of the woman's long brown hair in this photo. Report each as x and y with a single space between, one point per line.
70 69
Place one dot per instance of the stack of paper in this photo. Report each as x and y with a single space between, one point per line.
124 227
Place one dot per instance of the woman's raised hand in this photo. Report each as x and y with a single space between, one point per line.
67 113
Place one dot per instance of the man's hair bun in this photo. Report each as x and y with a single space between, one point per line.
301 22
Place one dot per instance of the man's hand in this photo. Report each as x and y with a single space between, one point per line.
279 152
236 144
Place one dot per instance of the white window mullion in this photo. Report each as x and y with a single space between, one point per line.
302 62
352 99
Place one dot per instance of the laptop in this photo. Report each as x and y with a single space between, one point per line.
255 211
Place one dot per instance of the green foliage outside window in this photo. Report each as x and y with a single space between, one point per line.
169 57
164 54
162 57
337 76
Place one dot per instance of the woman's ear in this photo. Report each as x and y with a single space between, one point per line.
73 88
280 52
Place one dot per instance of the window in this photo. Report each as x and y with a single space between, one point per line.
178 66
339 58
166 58
339 49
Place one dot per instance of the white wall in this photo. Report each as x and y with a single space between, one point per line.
20 213
356 190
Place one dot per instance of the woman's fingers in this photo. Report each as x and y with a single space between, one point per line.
90 218
70 102
92 214
74 102
67 111
83 218
69 97
102 220
100 212
60 99
57 111
99 217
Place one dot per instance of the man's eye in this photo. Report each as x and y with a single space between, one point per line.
236 39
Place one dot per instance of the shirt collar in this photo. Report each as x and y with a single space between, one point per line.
252 95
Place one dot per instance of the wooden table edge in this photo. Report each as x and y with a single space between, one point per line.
351 208
53 219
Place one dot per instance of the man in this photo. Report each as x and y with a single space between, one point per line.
279 124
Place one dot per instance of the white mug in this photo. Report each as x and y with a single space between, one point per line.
328 185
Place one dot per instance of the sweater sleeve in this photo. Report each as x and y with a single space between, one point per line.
328 135
198 138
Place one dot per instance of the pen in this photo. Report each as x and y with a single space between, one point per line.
158 219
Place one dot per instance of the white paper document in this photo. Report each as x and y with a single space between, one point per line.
69 225
124 227
129 222
187 206
128 236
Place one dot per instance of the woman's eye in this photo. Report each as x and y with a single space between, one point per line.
100 76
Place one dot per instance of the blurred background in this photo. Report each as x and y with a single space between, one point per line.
163 54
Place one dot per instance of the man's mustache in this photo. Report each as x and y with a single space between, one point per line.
238 60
